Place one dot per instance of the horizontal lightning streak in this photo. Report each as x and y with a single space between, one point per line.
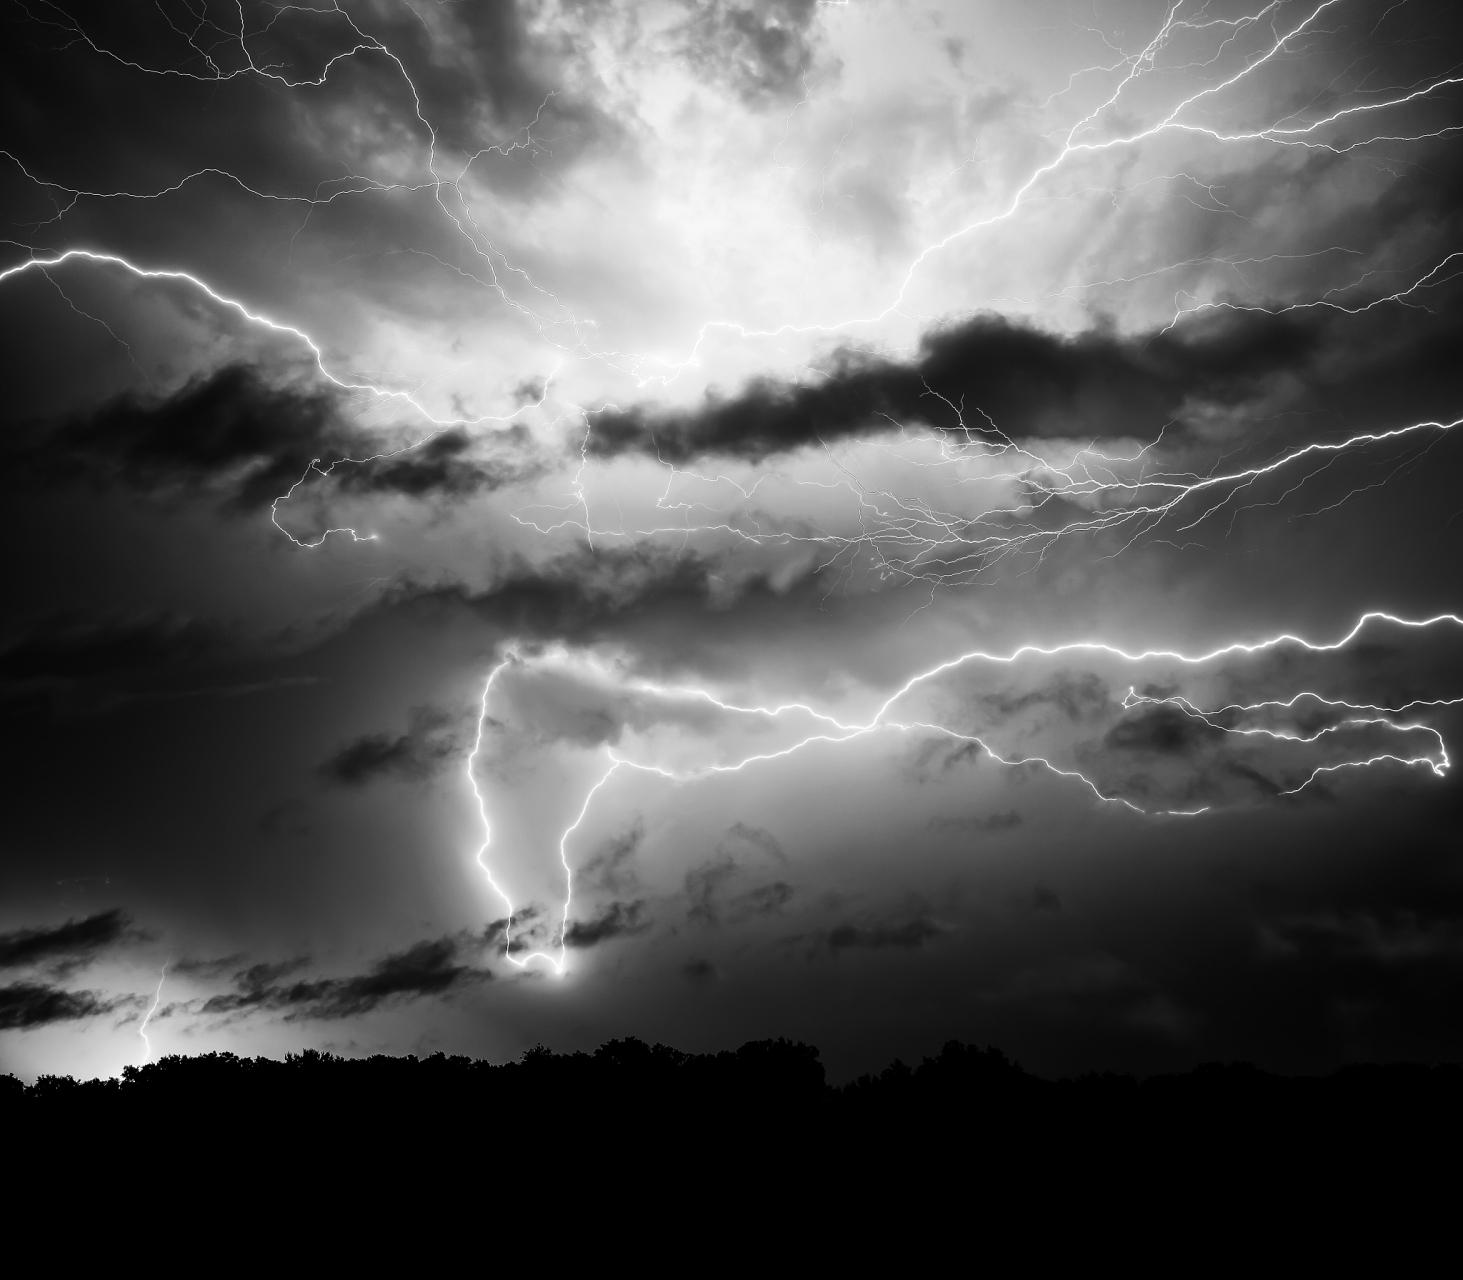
1074 144
920 543
914 541
233 304
1437 760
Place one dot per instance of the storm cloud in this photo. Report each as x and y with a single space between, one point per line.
27 1005
618 919
68 945
996 379
870 524
247 442
1012 379
431 968
426 745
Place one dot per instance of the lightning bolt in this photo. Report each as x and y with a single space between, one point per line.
907 538
1436 759
840 732
439 424
156 1000
914 541
1075 143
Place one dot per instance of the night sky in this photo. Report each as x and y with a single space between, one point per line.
717 519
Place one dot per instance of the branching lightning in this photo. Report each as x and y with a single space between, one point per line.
909 539
1076 142
914 541
1436 760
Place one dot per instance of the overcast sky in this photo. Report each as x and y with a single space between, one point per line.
869 522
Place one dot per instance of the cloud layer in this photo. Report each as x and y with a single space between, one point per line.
544 523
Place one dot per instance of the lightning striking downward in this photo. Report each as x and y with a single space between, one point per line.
911 538
1436 760
156 1000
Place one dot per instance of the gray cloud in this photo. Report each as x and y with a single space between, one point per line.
619 919
63 650
1030 382
431 968
1004 820
246 441
27 1005
910 933
66 946
429 742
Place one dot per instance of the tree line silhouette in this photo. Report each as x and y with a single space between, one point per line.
738 1150
963 1092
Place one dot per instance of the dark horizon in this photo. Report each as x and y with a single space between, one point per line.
792 1059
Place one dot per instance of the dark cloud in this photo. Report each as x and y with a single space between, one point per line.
429 968
617 920
231 432
436 468
759 839
245 441
912 933
1165 730
65 650
579 597
729 887
706 888
1044 901
700 971
963 754
719 893
1076 697
1381 936
66 667
197 967
63 125
473 71
762 48
1265 785
1002 821
1017 380
258 977
611 869
24 1005
1030 382
1371 961
74 943
415 754
764 899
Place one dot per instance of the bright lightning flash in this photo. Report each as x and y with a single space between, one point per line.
908 537
156 1000
1436 761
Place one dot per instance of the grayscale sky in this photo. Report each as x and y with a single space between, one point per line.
869 522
